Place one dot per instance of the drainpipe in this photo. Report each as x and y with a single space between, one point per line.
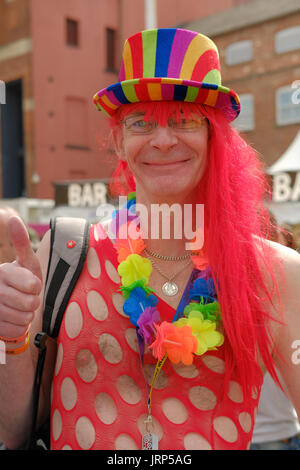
150 14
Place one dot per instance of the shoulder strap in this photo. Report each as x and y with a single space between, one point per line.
68 248
69 244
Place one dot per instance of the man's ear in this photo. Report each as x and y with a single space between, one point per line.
118 142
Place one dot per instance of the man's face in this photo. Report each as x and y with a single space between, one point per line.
7 251
168 162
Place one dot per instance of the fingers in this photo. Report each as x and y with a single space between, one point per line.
21 279
24 253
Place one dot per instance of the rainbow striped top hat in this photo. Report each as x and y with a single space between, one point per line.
169 65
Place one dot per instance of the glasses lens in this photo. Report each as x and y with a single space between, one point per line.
190 124
138 125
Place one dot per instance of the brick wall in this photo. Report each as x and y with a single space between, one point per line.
262 76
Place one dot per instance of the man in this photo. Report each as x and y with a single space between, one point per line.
176 360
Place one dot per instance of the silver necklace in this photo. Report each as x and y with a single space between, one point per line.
170 287
165 257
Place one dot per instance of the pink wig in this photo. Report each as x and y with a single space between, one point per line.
232 190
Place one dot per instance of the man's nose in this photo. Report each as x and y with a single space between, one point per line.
163 139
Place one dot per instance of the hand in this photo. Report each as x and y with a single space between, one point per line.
20 283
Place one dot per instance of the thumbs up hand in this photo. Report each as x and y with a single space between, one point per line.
20 283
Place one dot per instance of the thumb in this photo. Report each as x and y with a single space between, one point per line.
25 255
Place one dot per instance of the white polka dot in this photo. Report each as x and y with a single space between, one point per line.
226 428
245 421
59 359
156 427
194 441
202 398
214 363
86 365
174 410
128 389
131 339
235 392
73 320
110 348
118 302
96 236
68 393
125 442
93 263
85 433
112 272
188 372
56 425
97 305
162 379
66 447
105 408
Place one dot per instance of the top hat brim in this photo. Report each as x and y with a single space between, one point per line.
140 90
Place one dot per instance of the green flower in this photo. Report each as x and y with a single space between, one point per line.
210 311
140 283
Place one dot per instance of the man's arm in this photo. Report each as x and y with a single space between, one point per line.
287 345
21 294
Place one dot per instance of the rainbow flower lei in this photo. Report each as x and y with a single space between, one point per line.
195 332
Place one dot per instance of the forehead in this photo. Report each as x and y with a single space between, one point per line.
159 111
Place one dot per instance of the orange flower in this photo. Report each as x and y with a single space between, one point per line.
178 343
127 245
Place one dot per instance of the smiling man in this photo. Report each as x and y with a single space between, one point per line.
160 346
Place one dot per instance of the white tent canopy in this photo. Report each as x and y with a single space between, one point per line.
286 205
289 160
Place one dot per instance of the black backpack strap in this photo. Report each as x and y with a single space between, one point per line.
68 249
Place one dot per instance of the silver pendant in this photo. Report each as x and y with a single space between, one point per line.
150 441
170 288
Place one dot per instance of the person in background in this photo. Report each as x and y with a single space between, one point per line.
277 425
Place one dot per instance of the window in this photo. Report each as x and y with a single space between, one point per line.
110 49
245 120
238 52
76 130
287 40
287 108
72 32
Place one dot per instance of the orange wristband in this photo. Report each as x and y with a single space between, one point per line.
16 340
19 350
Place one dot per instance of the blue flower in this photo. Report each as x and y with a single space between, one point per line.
136 304
203 288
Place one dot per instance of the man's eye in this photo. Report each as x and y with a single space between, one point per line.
139 123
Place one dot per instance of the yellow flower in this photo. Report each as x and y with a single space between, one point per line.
204 331
134 268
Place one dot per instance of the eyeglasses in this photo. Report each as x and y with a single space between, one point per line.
136 124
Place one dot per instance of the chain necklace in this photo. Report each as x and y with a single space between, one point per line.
170 287
150 252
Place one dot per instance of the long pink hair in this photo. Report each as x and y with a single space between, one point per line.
232 190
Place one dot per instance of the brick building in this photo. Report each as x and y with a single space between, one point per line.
260 59
53 57
259 45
